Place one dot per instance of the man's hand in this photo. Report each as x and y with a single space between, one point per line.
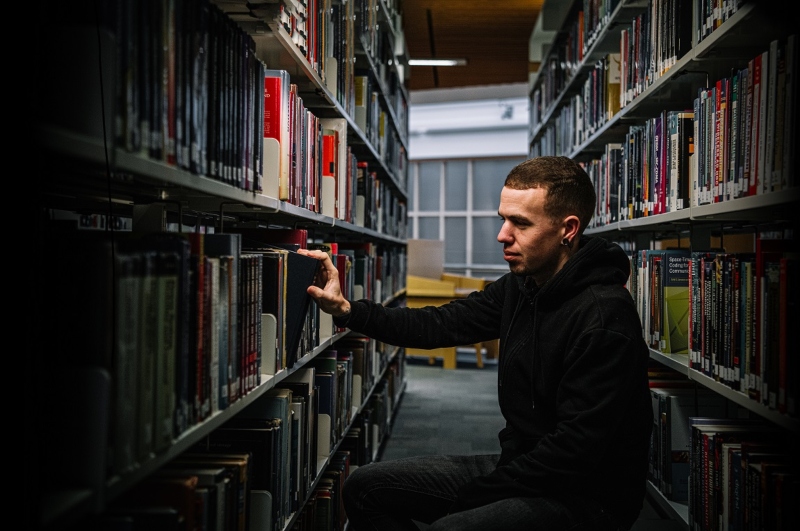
326 290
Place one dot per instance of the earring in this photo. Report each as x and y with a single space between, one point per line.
566 243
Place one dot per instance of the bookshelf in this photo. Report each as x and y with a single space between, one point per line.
148 91
670 53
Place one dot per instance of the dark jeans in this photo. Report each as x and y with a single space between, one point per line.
391 495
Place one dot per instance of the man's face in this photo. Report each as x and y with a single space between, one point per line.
531 239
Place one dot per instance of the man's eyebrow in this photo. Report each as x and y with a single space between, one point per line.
516 218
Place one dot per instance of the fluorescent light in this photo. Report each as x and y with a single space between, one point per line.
437 62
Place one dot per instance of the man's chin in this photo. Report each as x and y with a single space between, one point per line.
517 269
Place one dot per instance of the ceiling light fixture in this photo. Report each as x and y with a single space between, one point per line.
437 62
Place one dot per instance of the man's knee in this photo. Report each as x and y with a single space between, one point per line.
355 483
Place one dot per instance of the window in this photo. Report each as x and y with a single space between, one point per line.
456 201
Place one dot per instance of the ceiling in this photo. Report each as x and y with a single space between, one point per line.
492 36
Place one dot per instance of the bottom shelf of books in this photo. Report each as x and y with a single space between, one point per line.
281 463
715 464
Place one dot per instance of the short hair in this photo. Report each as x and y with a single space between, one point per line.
569 188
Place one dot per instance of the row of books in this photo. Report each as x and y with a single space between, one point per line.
188 323
584 113
730 145
655 39
311 165
183 70
743 124
729 313
742 476
326 34
742 307
732 472
268 467
659 36
652 43
559 67
179 67
324 509
596 16
379 46
675 399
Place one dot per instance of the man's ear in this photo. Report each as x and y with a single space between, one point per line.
571 227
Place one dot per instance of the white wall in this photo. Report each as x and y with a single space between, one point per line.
469 122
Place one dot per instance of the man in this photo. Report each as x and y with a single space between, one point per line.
572 377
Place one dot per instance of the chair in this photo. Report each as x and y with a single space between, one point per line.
421 291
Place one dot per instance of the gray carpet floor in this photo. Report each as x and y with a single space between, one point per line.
456 411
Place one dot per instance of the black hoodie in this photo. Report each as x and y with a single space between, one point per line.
572 378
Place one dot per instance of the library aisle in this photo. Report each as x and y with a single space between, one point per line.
435 418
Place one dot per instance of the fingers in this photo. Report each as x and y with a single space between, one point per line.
314 253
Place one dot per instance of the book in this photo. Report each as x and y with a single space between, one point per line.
276 143
220 489
213 323
707 436
177 244
198 83
261 439
273 281
770 333
676 407
769 248
238 469
299 273
362 93
759 512
612 85
328 173
681 147
148 345
123 439
178 493
761 90
298 467
303 386
256 238
343 179
197 289
778 145
789 178
675 297
228 247
275 404
720 139
788 313
771 92
730 482
251 290
167 271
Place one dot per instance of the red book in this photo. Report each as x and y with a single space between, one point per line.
276 163
197 308
254 238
